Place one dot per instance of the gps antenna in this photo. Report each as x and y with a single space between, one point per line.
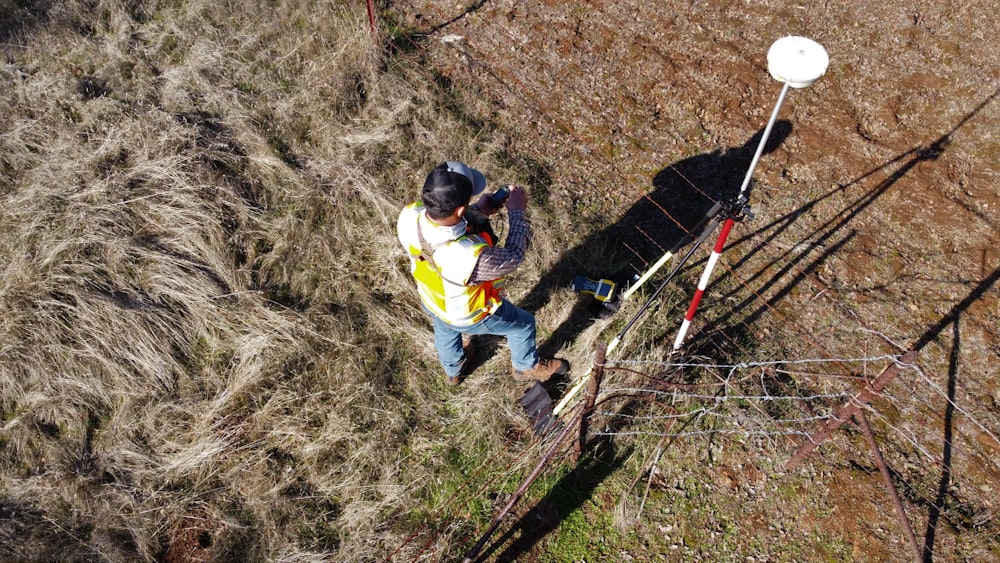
798 62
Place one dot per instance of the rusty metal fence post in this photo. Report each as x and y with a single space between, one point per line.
593 387
893 493
850 408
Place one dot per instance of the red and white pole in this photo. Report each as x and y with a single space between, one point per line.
703 282
798 62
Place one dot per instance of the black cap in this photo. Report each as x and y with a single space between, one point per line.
450 186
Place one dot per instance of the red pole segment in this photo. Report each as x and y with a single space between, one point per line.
720 243
740 200
371 19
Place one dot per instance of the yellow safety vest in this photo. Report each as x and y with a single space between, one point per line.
442 269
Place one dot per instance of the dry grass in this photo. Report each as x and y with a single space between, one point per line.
211 347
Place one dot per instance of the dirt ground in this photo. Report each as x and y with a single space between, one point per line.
883 192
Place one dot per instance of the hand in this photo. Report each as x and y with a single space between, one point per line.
486 206
518 198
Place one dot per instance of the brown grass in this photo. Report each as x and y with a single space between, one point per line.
210 346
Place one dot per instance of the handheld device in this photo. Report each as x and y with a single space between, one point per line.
499 197
602 290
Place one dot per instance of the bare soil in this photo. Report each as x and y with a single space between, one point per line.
877 211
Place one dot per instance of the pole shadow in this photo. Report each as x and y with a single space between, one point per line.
939 508
822 239
408 41
681 196
950 319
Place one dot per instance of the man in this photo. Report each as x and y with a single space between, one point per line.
459 271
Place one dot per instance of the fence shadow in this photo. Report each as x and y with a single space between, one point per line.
568 494
823 239
950 319
934 514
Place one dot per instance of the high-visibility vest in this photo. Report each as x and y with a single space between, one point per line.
442 266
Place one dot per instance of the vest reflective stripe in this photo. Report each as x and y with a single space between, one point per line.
441 284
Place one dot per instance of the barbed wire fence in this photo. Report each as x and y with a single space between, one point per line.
801 401
767 400
751 399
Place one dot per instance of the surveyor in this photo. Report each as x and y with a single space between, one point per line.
460 271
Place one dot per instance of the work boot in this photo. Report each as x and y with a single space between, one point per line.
469 348
543 370
470 354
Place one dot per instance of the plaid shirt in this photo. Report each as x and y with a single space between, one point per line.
498 261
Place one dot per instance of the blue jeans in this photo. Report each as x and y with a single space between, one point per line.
516 324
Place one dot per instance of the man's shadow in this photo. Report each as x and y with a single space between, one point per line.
682 195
